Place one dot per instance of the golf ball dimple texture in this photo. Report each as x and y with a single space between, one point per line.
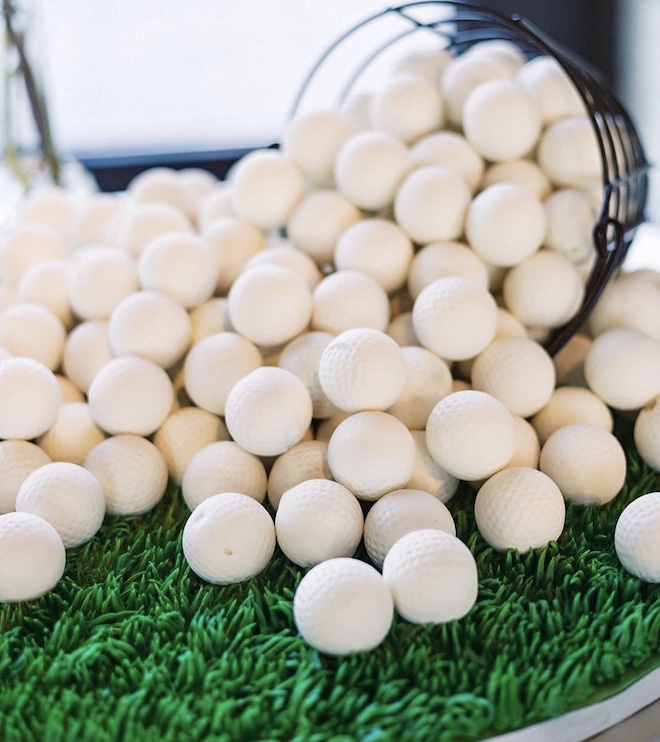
398 513
68 496
229 538
343 606
317 520
637 537
432 575
18 459
519 508
32 557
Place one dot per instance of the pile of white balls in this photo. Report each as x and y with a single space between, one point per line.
353 318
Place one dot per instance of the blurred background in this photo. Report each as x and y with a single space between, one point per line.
134 83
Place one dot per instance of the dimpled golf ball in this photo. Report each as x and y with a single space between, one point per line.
32 557
637 537
432 575
317 520
68 496
401 512
29 398
228 538
18 459
343 606
519 508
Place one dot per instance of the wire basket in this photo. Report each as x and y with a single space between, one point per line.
457 26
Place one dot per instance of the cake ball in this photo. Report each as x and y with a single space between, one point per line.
371 453
269 305
519 508
553 90
130 395
432 575
431 204
33 557
362 369
451 150
266 186
470 434
463 75
222 466
306 460
343 606
181 266
569 154
312 141
505 224
647 434
151 325
348 299
369 168
86 351
636 537
131 471
47 283
518 372
568 405
407 107
318 222
398 513
524 173
66 495
140 224
100 278
317 520
31 330
455 318
29 398
301 356
214 365
622 367
544 290
18 459
229 538
570 219
442 259
501 121
268 411
587 463
378 248
233 242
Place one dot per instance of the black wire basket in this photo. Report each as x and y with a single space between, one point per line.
458 25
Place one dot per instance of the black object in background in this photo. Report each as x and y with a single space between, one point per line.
586 27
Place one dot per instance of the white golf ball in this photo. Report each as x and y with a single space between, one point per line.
32 557
131 471
222 466
268 411
432 575
398 513
637 537
316 520
519 508
470 434
229 538
18 459
343 606
68 496
29 398
371 453
131 395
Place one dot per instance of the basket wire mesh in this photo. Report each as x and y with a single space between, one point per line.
459 25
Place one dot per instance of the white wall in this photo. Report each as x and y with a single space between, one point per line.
639 88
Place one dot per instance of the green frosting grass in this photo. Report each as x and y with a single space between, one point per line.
131 645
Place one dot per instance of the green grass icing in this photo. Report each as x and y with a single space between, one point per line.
131 645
